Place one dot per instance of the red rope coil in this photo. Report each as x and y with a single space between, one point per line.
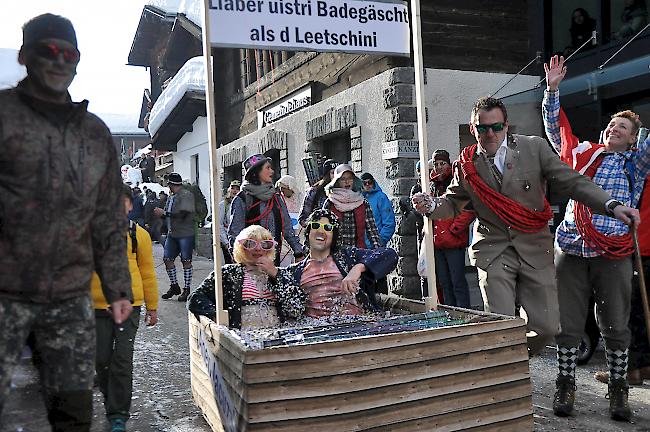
511 212
613 246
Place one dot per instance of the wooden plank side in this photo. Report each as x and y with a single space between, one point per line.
390 395
210 412
370 343
231 377
524 423
393 356
202 387
203 397
219 337
403 373
468 419
438 405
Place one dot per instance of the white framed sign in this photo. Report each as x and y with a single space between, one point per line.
284 107
356 26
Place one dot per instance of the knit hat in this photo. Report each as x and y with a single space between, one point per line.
288 182
367 176
328 165
442 155
174 179
48 26
235 183
254 161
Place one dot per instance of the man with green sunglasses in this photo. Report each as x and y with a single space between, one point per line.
337 281
504 178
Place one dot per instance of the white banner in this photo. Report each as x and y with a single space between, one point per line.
370 27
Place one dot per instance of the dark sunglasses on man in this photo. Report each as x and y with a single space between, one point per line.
51 51
368 182
496 127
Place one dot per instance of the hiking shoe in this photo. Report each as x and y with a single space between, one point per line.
618 406
565 396
183 297
174 289
118 425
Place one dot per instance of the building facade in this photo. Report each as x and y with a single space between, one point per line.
354 108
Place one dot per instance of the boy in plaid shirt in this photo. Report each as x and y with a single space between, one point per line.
583 268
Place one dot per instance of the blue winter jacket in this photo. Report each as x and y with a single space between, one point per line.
382 210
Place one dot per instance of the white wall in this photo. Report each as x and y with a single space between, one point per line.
192 143
371 116
450 95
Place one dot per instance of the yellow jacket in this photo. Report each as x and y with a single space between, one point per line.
143 275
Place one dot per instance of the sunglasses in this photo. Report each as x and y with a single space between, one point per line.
250 244
496 127
367 182
52 52
317 225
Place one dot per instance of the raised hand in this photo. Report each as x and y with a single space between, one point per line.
555 71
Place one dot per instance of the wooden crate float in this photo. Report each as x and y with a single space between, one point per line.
468 377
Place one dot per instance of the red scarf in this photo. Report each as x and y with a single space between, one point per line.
511 212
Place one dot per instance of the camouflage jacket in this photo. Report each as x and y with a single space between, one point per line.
61 211
291 299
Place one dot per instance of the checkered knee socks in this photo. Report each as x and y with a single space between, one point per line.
187 277
171 272
617 362
567 359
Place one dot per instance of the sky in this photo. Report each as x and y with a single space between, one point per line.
105 32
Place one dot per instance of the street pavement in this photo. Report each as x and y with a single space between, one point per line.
162 400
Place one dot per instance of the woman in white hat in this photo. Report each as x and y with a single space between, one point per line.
345 200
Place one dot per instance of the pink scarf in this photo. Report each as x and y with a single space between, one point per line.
345 200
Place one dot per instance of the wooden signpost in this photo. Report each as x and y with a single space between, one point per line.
355 26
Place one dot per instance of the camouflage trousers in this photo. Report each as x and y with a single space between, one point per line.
65 345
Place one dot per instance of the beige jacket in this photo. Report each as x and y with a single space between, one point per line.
530 165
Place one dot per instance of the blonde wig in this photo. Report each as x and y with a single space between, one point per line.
254 232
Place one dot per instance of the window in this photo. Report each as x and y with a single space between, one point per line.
335 146
627 18
573 24
573 21
255 63
274 154
194 169
230 173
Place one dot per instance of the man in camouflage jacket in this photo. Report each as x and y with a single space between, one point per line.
60 218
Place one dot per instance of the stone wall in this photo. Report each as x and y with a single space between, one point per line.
204 242
400 150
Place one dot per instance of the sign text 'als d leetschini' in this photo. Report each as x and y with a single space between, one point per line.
371 27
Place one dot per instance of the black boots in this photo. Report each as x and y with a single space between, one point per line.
565 395
183 296
174 289
617 394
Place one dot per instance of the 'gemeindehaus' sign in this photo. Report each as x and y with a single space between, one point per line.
359 26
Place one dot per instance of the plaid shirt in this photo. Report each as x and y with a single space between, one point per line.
611 176
348 230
